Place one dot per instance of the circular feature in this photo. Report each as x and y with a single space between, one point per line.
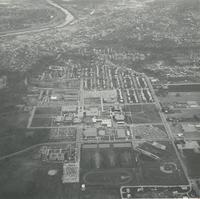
168 167
52 172
111 177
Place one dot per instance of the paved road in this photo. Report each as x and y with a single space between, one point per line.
168 129
179 84
68 19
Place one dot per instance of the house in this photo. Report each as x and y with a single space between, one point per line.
106 122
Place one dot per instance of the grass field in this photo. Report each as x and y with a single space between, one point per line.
146 113
17 139
41 122
192 161
149 170
25 178
181 97
48 110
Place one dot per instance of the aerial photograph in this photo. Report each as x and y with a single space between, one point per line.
99 99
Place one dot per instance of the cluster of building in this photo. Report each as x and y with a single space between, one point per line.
57 153
104 134
177 73
170 107
70 173
58 97
68 133
131 87
68 116
130 192
63 77
190 128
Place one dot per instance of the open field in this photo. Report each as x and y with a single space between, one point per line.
184 88
181 97
146 113
18 139
100 192
192 161
34 179
186 115
41 122
48 111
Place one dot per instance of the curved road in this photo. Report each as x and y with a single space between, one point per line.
68 19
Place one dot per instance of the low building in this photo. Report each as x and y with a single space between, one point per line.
106 122
77 120
101 132
159 146
121 133
57 156
192 104
91 112
54 97
119 118
188 128
72 109
90 133
68 119
59 119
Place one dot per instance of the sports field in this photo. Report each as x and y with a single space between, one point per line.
115 166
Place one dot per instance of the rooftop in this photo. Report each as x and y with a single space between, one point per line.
90 132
